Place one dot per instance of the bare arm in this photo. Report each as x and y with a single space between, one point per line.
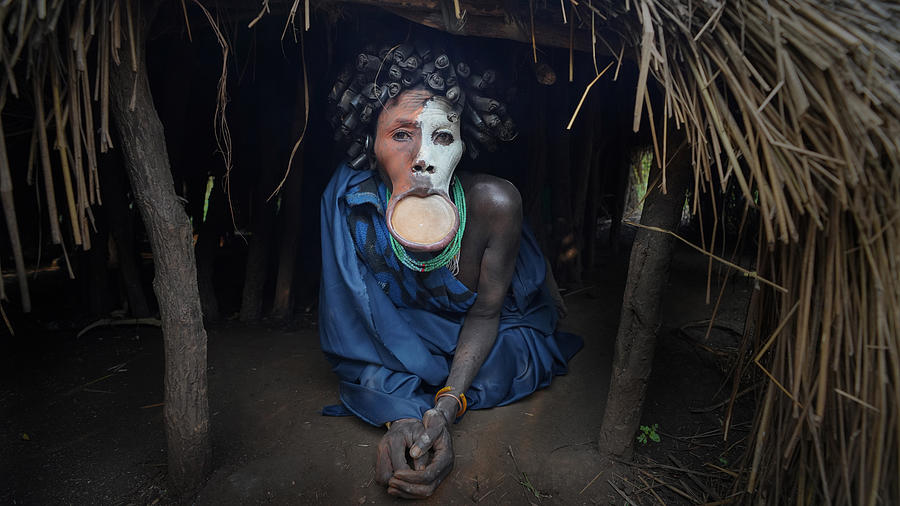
479 331
500 232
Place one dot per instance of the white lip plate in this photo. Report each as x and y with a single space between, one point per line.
412 244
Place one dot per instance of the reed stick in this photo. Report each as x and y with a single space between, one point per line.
75 125
46 169
63 147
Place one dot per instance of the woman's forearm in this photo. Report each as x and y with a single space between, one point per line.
476 339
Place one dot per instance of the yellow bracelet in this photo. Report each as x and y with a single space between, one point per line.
448 394
460 399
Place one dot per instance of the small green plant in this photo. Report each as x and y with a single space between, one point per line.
723 461
640 178
648 433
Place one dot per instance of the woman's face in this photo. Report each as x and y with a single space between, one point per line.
418 145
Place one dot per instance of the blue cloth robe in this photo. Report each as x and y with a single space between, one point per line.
390 333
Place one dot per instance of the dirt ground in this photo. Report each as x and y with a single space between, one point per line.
81 419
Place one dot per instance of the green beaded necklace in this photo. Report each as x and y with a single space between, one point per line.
449 255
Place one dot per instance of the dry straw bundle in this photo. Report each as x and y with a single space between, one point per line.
799 102
48 46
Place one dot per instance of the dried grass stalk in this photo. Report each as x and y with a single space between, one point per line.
44 48
62 147
46 168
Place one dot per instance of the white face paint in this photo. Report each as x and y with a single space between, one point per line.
418 147
441 147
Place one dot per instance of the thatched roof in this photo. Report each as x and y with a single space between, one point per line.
798 101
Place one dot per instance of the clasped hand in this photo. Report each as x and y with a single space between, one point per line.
427 442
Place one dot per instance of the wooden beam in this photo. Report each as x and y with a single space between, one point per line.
489 21
488 18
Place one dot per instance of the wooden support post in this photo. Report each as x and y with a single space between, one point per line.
283 304
592 208
533 192
562 189
258 251
94 273
648 273
206 248
121 221
585 144
271 137
621 167
143 147
292 212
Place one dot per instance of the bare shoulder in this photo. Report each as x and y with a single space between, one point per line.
493 230
492 196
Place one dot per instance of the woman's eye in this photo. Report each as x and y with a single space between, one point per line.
401 135
443 138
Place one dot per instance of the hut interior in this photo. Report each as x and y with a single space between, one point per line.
715 185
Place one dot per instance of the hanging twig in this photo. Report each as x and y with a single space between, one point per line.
584 95
305 118
290 19
262 12
187 22
220 120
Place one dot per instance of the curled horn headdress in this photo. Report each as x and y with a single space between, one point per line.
377 76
